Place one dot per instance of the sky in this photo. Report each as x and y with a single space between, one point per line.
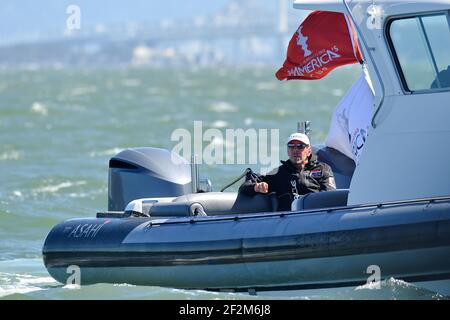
22 18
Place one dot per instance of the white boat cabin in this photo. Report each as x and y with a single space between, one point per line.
406 46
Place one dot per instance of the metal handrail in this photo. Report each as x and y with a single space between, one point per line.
377 72
282 214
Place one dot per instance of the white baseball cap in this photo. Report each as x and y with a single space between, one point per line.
297 136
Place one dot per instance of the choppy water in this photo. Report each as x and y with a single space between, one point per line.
58 129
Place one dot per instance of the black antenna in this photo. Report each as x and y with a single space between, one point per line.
248 173
304 127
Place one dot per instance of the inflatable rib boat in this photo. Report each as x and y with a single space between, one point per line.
229 241
160 230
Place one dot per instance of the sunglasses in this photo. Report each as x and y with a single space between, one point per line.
297 145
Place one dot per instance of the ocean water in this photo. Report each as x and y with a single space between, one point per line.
58 129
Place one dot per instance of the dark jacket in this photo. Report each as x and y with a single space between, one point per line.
315 177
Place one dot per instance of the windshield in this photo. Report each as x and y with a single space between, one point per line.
421 45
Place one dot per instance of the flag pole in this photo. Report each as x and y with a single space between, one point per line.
377 72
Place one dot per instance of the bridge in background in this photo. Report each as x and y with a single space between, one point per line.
235 26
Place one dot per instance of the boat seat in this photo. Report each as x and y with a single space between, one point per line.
342 166
317 200
170 209
215 203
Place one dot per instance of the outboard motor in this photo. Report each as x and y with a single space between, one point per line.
146 173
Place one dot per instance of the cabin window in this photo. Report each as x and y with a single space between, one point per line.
421 47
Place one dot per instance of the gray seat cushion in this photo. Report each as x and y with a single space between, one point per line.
326 199
215 203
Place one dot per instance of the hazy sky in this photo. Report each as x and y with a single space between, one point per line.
25 17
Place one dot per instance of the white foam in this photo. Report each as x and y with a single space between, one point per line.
108 152
17 193
219 124
396 282
12 283
370 286
26 279
9 290
55 188
389 283
10 155
123 285
79 195
72 286
39 108
223 106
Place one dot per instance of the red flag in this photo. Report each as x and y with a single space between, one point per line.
325 40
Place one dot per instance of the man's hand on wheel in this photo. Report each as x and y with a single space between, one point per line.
262 187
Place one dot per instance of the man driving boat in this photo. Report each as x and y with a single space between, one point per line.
299 175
